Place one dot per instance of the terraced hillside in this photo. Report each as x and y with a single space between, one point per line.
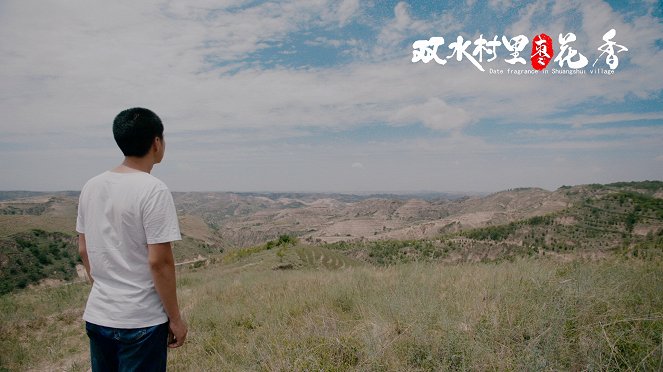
246 220
624 218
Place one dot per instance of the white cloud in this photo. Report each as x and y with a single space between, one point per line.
404 26
97 67
434 113
502 5
321 40
357 165
569 134
580 120
395 31
69 67
346 10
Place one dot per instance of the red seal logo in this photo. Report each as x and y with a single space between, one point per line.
542 51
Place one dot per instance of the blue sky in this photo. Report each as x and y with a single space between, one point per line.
323 95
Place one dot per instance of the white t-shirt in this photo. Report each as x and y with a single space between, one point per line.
120 213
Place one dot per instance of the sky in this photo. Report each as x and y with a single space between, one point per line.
324 96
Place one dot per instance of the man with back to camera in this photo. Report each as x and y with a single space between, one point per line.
126 223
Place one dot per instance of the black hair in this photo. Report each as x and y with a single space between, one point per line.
134 130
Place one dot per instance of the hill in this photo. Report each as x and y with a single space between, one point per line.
601 220
38 239
245 220
585 220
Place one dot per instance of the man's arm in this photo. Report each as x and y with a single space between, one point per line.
162 266
82 251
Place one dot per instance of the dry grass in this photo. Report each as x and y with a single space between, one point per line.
10 225
524 315
42 329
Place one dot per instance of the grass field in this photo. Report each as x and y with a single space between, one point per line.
529 314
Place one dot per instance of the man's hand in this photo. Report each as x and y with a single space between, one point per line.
176 333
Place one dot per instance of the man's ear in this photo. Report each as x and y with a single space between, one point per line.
157 144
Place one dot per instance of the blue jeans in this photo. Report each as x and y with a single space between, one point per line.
119 349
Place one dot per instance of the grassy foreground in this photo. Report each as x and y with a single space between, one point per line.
530 314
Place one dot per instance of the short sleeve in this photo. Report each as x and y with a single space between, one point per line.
80 220
160 218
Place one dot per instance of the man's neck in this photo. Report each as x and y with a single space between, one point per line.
135 164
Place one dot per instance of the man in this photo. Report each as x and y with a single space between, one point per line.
127 221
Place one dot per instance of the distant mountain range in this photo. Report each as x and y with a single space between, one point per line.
37 228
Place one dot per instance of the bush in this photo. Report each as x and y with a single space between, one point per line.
286 239
495 233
